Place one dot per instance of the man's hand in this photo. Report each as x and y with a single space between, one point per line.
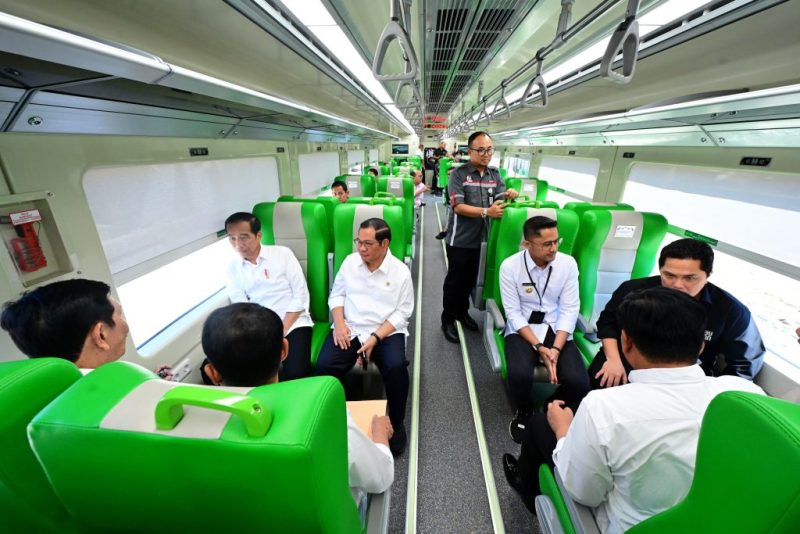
366 348
341 335
612 374
495 211
382 429
549 358
165 372
559 417
511 194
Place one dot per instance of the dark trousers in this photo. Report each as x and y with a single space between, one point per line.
390 357
598 362
298 363
462 273
538 444
573 382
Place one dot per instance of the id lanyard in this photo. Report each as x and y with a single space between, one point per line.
527 271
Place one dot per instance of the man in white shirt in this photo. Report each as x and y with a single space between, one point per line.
245 346
539 288
371 302
630 451
272 277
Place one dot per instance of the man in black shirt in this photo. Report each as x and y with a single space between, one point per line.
731 334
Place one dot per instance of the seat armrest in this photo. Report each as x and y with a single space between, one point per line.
582 516
546 514
582 325
378 512
497 316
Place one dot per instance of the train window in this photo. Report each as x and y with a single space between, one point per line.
318 170
517 165
373 156
355 161
495 160
158 225
576 176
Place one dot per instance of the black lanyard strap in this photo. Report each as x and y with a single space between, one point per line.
546 283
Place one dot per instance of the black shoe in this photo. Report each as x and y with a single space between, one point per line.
468 322
397 443
441 234
517 426
450 332
515 481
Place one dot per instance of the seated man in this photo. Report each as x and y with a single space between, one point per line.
339 190
371 302
77 320
272 277
630 450
539 287
732 334
245 347
419 188
373 172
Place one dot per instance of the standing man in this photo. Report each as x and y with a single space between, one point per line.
371 302
272 277
731 335
420 151
539 287
340 191
476 192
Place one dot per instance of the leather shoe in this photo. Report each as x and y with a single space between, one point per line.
515 481
468 322
441 234
397 443
450 332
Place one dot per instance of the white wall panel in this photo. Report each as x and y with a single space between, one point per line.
317 170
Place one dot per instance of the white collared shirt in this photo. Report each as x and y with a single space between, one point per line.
560 301
370 298
370 465
630 451
275 281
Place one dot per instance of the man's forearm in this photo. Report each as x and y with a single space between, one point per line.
611 349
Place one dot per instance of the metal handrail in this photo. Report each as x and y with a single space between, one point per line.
625 39
393 30
536 82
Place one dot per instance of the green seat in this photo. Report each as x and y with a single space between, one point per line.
301 226
748 455
328 202
402 186
415 162
505 239
358 185
27 500
611 247
385 170
532 187
444 165
503 173
269 459
348 217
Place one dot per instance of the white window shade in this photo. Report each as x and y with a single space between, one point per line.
145 211
317 170
756 211
373 155
355 161
576 175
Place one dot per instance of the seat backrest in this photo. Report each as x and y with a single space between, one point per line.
266 459
508 240
748 455
348 217
531 187
385 170
27 500
401 186
301 226
358 185
612 247
416 162
444 165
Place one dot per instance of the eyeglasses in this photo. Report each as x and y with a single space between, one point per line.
549 244
367 243
483 151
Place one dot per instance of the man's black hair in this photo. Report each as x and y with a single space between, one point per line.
54 320
339 183
370 170
535 225
382 230
689 249
244 341
243 216
666 325
475 135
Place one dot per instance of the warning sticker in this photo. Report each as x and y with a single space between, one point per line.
352 185
529 188
394 185
624 232
27 216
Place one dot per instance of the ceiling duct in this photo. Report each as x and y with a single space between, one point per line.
464 36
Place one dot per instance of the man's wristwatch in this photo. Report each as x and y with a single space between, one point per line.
377 338
484 213
538 346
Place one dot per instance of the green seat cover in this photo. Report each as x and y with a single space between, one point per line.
328 203
267 459
503 173
358 185
444 165
612 247
532 187
27 500
349 216
401 186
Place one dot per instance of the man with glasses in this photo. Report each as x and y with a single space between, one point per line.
539 288
371 302
476 194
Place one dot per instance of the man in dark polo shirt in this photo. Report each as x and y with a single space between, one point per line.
476 192
731 334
